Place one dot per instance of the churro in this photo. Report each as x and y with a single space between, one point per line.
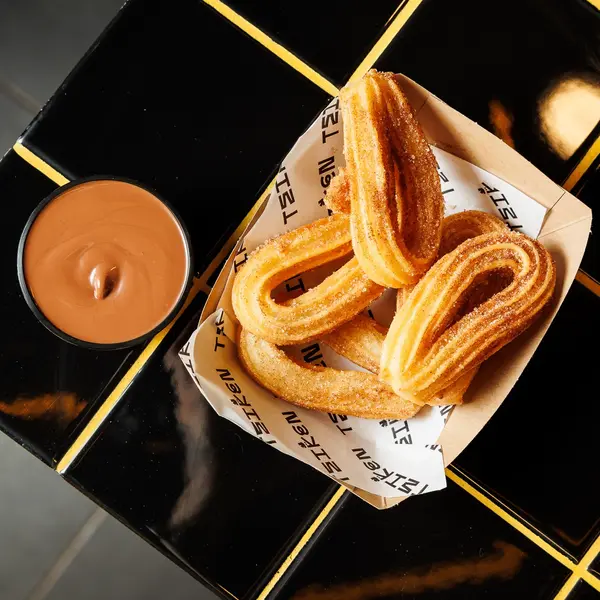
337 197
361 339
340 297
320 388
456 229
396 200
427 348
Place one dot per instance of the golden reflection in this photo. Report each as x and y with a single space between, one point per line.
502 122
62 407
502 564
568 113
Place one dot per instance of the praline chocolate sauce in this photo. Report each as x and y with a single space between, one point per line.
105 261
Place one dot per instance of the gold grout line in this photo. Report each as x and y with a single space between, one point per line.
589 282
113 398
583 165
595 3
591 579
283 53
580 572
511 520
39 164
285 565
404 14
510 511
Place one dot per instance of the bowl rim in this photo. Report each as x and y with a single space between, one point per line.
39 313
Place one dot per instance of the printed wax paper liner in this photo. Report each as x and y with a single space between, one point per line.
388 458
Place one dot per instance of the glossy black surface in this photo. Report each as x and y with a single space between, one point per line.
219 502
49 387
332 38
536 452
528 70
583 591
589 192
441 545
595 566
178 98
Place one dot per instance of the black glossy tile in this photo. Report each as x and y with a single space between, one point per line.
219 502
595 566
332 39
47 387
441 545
583 591
536 452
180 99
528 70
589 192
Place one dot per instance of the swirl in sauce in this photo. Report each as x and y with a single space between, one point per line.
105 261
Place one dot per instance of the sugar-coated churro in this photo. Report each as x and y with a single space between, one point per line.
337 197
396 201
340 297
427 348
456 229
320 388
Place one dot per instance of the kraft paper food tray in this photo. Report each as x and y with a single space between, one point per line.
564 233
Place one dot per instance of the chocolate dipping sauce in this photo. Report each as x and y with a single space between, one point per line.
106 261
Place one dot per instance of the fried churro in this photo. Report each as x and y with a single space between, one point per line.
396 201
427 348
320 388
361 339
456 229
340 297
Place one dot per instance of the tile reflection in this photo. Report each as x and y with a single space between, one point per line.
199 457
442 545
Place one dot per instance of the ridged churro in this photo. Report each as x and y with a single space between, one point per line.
320 388
396 200
337 197
427 348
361 339
456 229
340 297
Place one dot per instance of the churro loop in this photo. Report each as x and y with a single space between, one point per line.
396 200
361 340
427 349
341 296
320 388
456 229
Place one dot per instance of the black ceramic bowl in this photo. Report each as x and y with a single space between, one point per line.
69 338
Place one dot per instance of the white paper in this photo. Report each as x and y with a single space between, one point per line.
390 458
